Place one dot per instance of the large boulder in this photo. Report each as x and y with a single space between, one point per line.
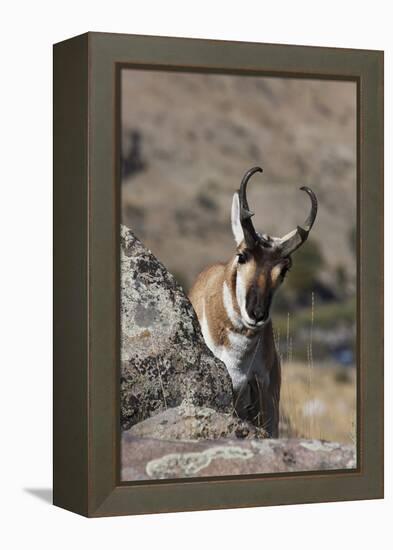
164 358
144 458
188 422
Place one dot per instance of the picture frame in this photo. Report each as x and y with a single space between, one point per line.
86 274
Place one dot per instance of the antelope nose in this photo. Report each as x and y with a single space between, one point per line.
260 319
261 316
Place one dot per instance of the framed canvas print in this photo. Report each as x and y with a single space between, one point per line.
218 274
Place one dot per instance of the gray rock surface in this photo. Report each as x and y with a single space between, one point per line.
188 422
144 458
164 359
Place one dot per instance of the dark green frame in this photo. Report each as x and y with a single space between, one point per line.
86 283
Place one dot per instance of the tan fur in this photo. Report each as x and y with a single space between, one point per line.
262 281
230 279
249 271
207 290
275 273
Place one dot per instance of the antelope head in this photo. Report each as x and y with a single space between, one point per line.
261 261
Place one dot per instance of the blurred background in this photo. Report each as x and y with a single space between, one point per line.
187 140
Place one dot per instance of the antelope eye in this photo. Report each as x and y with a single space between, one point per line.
242 258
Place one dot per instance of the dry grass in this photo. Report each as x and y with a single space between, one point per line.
318 401
324 408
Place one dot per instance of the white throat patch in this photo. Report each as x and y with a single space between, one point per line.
241 293
230 310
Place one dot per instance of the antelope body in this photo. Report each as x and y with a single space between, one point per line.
232 302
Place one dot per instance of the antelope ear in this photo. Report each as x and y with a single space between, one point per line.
237 228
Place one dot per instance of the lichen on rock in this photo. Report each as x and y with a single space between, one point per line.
189 464
148 458
164 358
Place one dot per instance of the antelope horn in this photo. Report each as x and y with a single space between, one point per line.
298 236
250 235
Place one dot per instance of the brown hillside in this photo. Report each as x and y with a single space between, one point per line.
192 136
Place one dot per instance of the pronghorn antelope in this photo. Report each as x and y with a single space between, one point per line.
232 302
